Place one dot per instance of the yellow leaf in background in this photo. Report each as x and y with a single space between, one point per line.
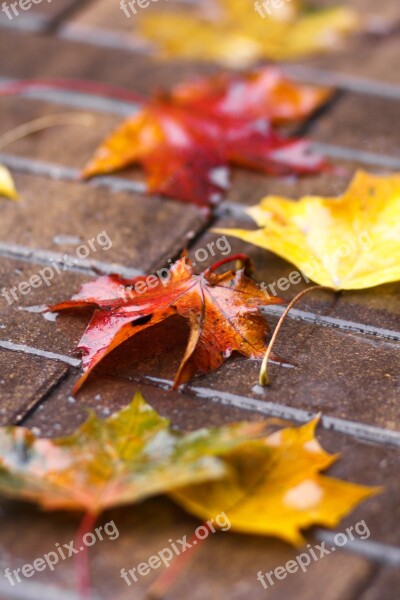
348 243
7 187
279 491
238 32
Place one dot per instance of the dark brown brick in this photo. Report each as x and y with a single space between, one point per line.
383 62
70 145
24 381
21 322
384 586
102 17
341 374
350 376
249 188
362 122
366 60
56 216
35 56
376 307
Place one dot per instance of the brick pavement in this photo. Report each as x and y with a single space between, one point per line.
346 348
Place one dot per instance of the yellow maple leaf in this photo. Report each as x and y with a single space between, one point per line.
279 491
348 243
239 32
7 186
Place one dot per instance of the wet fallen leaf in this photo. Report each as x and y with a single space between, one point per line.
176 150
239 33
130 456
350 242
269 485
186 140
7 186
222 312
278 489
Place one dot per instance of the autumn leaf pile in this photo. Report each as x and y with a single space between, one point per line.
135 454
186 139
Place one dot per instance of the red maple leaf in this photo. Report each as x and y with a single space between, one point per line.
187 139
222 311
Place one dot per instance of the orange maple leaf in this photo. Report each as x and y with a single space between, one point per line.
222 311
185 140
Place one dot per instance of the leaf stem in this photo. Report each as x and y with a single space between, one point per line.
264 377
82 569
160 587
242 257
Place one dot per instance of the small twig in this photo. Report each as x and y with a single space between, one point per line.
83 119
264 377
